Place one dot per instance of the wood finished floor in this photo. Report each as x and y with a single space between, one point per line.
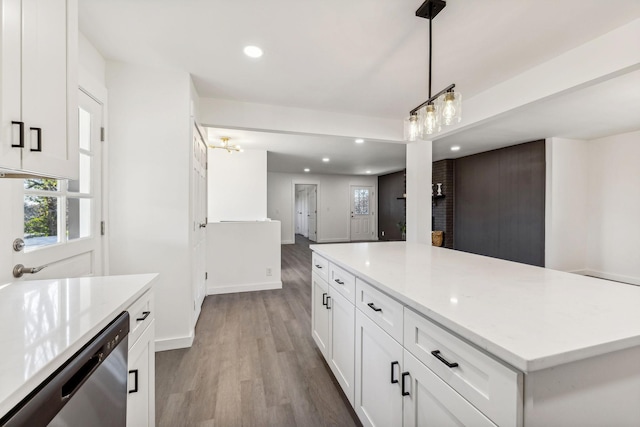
253 361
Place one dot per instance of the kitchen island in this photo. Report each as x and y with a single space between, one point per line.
567 346
45 322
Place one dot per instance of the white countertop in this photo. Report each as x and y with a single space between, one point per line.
530 317
44 322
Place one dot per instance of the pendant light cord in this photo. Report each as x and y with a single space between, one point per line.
430 46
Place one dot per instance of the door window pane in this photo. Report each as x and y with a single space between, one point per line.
84 129
361 201
40 220
41 184
83 183
78 218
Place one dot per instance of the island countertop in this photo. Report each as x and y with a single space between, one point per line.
45 322
530 317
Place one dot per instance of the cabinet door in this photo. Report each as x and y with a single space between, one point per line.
10 71
141 384
342 341
320 314
432 403
49 87
378 400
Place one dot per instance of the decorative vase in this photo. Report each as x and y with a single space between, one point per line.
439 189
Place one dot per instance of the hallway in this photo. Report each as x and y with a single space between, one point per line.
253 361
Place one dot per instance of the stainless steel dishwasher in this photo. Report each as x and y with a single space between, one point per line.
90 389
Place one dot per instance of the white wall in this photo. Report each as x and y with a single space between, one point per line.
239 254
237 185
614 207
566 211
334 207
149 154
90 60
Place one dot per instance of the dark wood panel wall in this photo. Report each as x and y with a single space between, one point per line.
500 203
442 210
391 209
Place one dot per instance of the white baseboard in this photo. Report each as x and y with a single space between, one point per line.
174 343
580 272
248 287
341 240
615 277
288 242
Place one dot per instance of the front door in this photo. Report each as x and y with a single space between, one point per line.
362 214
60 220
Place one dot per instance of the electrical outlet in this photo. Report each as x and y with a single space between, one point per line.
268 271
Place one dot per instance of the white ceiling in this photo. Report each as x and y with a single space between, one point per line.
369 57
292 153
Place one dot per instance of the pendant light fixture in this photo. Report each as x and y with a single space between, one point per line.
443 108
226 145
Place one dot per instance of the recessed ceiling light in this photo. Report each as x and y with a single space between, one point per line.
307 169
325 159
455 148
368 171
359 141
253 51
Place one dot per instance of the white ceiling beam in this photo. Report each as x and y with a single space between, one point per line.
272 118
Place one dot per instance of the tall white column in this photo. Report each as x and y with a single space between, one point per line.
419 158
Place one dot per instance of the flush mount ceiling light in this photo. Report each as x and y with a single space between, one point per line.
455 148
444 107
359 141
325 159
306 169
253 51
225 145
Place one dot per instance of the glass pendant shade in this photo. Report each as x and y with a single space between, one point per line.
450 108
411 128
429 120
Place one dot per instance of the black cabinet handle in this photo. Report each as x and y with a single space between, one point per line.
328 298
145 314
21 143
373 307
339 282
324 298
318 266
39 131
404 392
436 354
135 381
393 379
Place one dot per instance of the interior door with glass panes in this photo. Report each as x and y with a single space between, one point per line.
362 213
61 219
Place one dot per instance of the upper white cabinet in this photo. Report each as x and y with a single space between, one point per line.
38 78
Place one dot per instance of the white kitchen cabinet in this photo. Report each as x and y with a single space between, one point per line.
320 314
430 402
141 381
341 350
378 391
38 72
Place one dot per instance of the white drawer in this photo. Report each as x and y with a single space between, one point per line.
320 266
495 389
141 313
381 308
343 281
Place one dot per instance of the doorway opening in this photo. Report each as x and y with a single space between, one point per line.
306 211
